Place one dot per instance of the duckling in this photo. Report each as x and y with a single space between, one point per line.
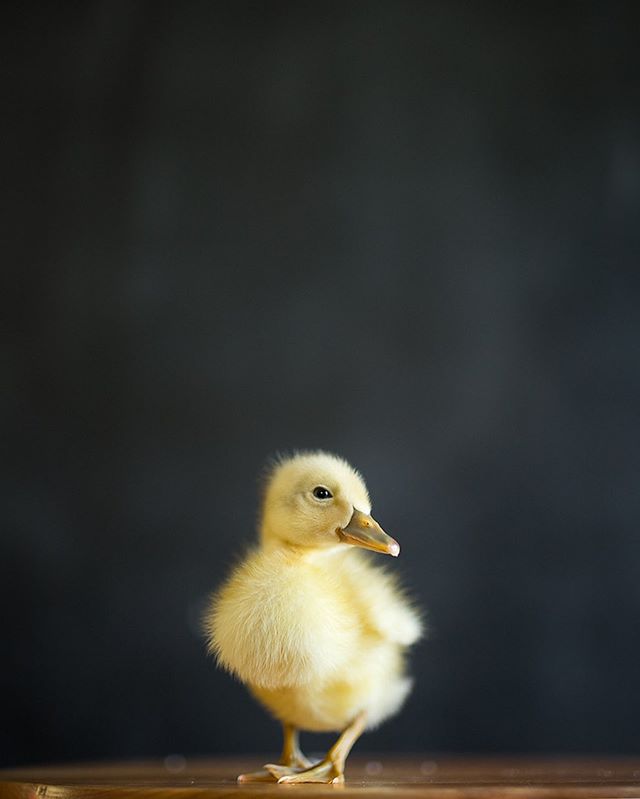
316 631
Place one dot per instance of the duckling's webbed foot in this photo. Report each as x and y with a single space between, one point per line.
277 770
270 772
291 762
331 769
325 771
257 776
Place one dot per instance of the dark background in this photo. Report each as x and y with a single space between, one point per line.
405 232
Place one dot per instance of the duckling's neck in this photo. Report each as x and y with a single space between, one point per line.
295 552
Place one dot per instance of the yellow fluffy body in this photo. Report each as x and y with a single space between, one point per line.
314 629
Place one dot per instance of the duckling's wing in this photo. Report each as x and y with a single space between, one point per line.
381 600
274 624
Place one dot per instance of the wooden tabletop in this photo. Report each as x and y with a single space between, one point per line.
375 776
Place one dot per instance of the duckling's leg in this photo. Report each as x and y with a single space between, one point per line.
331 769
291 760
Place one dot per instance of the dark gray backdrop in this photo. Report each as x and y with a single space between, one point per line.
405 232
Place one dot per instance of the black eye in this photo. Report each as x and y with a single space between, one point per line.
320 492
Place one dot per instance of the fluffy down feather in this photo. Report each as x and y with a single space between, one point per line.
273 629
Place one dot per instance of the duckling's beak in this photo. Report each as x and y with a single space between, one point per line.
364 531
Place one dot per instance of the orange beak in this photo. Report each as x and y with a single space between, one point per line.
364 531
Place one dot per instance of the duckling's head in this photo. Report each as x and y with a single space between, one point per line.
315 500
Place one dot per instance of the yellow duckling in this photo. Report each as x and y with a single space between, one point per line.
315 631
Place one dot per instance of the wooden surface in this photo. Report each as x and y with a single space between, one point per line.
373 776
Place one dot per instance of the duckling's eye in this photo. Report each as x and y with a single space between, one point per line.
320 492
